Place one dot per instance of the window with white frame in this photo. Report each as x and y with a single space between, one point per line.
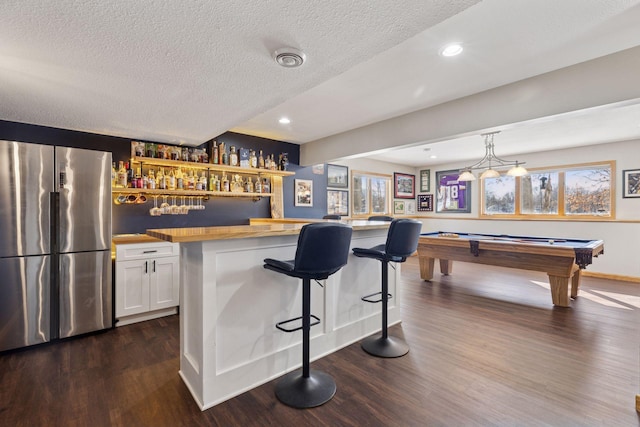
370 194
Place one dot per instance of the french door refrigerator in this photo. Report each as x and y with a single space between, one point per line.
55 243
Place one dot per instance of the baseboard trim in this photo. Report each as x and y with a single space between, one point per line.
632 279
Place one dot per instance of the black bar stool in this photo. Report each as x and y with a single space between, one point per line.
402 241
380 218
323 249
332 216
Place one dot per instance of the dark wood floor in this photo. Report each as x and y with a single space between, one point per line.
487 349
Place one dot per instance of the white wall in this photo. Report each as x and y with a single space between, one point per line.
621 236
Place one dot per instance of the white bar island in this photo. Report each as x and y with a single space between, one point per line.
229 305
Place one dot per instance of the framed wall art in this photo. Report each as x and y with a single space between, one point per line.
425 180
398 207
425 203
338 202
304 192
453 196
337 176
410 207
631 183
404 186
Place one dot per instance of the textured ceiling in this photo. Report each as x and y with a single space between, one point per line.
185 72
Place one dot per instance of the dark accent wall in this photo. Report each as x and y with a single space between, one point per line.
219 210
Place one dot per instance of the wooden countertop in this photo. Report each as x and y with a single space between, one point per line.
127 239
197 234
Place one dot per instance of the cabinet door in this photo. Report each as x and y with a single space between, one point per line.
132 287
164 283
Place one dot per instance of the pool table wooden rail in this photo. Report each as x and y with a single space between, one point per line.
559 262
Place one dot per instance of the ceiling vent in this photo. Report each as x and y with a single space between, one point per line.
289 57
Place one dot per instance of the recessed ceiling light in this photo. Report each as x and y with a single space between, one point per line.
452 49
284 121
289 57
433 156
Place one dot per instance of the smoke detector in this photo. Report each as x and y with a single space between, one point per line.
289 57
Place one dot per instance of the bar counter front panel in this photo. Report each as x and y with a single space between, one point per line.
229 305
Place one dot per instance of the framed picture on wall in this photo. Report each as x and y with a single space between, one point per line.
410 207
453 196
404 186
425 203
304 192
337 176
338 202
425 180
398 207
631 183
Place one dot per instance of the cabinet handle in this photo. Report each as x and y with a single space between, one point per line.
150 252
146 267
154 266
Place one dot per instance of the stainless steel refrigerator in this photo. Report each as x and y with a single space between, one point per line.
55 243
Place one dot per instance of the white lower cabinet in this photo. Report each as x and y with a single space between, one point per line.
147 281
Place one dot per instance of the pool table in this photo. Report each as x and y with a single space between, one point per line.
561 259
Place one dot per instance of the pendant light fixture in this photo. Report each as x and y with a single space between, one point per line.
489 162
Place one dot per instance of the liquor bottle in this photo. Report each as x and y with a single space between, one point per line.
261 160
273 166
179 179
145 181
253 159
225 183
160 180
122 175
191 182
248 185
258 185
233 156
203 181
152 180
114 175
215 155
138 179
225 156
130 175
172 180
266 186
221 149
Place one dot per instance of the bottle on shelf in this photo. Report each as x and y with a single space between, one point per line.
257 187
225 183
191 181
261 160
152 180
223 155
179 179
130 175
122 175
160 182
233 156
114 175
171 180
138 179
248 185
145 181
266 185
203 181
215 153
253 159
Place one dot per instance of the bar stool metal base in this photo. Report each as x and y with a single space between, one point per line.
299 392
385 347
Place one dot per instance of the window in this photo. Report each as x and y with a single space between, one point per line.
371 194
576 191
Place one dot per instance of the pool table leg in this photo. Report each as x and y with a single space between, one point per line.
446 266
426 268
575 281
559 290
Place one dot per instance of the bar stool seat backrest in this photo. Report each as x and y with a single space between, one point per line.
402 239
323 249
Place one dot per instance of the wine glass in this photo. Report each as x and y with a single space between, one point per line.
184 209
175 209
164 207
155 210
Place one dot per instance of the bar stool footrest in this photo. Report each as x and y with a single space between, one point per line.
284 322
367 298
